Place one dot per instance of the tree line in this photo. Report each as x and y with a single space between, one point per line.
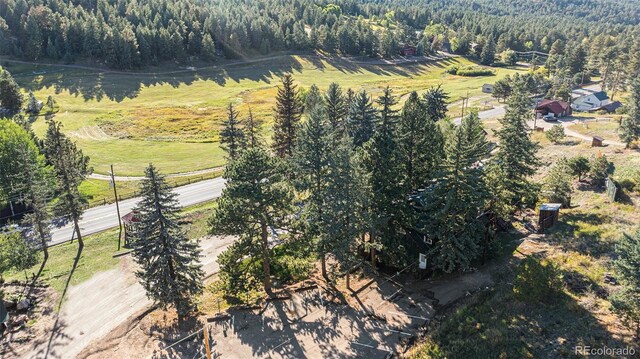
128 34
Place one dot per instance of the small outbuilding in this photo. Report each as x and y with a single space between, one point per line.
408 50
549 214
487 88
597 141
131 223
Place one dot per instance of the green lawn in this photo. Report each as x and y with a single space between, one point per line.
97 255
172 120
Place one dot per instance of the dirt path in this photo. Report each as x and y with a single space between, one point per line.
94 308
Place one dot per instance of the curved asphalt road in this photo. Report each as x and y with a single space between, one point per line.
100 218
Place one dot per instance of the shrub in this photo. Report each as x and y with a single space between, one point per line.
452 70
555 133
599 169
579 166
473 72
537 281
289 268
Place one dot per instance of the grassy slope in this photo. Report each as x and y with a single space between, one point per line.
172 120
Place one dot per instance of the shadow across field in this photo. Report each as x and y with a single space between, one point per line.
98 84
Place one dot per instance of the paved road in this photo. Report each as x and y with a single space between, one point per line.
100 218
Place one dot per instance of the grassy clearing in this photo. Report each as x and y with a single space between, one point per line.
603 127
172 119
97 255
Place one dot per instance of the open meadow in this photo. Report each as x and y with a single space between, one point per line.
172 118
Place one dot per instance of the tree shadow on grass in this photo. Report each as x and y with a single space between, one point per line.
118 85
494 323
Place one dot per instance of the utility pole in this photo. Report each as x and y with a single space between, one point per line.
115 194
206 340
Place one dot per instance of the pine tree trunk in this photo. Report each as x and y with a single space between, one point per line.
266 265
323 265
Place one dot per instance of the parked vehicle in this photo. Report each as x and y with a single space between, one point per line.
549 117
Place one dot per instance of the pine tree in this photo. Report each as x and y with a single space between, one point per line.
10 95
557 186
170 269
516 153
388 116
256 199
488 54
343 218
287 115
453 203
35 186
630 127
232 136
336 107
420 144
313 98
626 302
311 163
361 119
385 197
435 102
253 131
71 167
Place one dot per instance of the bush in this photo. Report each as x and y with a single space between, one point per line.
452 70
473 72
537 281
555 133
599 169
289 268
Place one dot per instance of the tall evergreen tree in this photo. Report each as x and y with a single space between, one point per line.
36 193
435 102
253 131
488 54
257 179
71 167
420 144
343 217
388 116
361 119
453 203
287 115
10 95
313 98
516 155
232 136
170 269
336 107
630 127
311 163
385 197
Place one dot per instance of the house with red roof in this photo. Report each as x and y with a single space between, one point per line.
556 107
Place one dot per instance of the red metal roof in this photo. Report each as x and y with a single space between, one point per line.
554 106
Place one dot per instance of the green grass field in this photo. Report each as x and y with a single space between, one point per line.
131 119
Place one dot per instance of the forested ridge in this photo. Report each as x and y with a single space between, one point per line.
131 33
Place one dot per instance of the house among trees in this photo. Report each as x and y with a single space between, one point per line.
408 50
555 107
591 101
608 108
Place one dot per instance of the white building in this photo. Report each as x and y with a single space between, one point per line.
590 101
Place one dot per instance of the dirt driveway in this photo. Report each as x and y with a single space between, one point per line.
94 308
